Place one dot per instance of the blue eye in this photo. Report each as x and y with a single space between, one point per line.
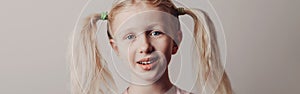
156 33
130 36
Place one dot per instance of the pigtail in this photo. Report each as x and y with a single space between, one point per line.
212 77
89 71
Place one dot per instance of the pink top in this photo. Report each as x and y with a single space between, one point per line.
173 90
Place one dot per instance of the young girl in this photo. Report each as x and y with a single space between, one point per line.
144 34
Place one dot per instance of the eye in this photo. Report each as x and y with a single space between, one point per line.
156 33
130 37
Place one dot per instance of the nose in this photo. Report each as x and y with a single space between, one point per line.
144 44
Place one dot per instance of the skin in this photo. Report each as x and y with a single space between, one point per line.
141 32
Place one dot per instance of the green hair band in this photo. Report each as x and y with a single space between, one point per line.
181 11
104 16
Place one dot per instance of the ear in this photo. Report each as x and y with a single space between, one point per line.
174 48
176 43
179 37
114 46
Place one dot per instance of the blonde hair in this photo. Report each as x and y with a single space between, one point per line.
89 71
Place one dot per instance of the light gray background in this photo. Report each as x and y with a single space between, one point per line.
262 45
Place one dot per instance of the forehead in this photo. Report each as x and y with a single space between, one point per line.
142 18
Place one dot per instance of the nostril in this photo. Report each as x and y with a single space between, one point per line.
147 48
141 51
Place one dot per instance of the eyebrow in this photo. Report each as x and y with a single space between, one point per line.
154 25
120 33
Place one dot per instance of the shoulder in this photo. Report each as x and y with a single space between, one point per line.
181 91
126 91
173 90
176 90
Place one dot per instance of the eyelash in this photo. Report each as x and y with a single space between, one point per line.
130 36
153 33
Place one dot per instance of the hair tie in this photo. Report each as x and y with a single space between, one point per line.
180 11
104 16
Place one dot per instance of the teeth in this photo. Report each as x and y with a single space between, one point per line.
144 63
148 61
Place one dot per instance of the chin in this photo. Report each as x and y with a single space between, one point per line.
148 73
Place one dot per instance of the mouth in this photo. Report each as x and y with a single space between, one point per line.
147 63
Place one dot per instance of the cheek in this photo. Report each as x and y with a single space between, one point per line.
164 47
126 52
122 52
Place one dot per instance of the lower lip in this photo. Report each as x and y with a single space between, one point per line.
147 67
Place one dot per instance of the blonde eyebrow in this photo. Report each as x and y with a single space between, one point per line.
154 25
124 32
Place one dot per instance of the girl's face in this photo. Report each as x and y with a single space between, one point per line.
143 38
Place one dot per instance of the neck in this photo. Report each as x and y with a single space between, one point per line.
159 87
